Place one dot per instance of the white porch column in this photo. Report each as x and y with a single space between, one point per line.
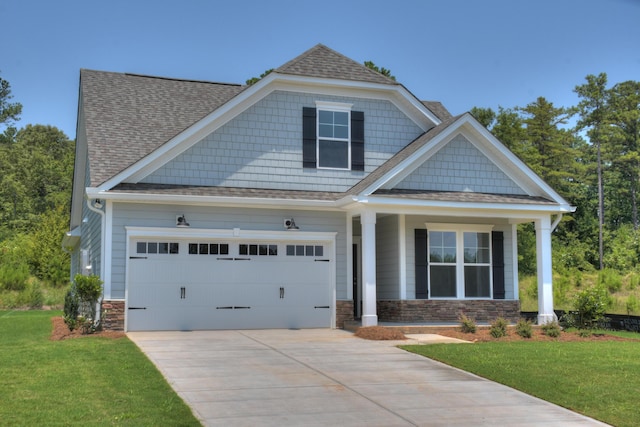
545 275
369 313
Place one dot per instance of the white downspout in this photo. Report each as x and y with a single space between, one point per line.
102 244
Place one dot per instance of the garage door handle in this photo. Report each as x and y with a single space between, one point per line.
183 293
322 306
281 293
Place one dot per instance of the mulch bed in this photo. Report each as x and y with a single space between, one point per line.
481 335
60 331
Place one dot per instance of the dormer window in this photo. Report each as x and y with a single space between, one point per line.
334 149
333 137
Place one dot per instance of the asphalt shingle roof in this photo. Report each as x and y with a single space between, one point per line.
322 62
128 116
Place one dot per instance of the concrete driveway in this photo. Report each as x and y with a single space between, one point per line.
322 377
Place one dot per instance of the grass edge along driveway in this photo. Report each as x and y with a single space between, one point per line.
82 381
597 379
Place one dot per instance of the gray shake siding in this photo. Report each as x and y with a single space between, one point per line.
460 166
128 214
91 239
266 141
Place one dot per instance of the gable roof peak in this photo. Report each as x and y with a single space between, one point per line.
323 62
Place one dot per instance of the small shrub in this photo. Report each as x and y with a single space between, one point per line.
71 307
591 304
34 297
632 304
467 325
584 333
524 328
551 329
499 328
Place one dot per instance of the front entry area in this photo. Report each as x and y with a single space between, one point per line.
196 284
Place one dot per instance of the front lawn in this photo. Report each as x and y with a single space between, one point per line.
82 381
598 379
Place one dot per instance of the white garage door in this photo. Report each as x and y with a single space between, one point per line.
216 284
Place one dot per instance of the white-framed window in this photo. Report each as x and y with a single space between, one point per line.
334 135
459 261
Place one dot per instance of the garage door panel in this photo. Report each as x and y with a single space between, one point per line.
191 291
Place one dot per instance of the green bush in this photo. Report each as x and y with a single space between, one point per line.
87 291
499 328
13 277
611 279
34 296
634 280
524 328
632 304
467 325
71 307
591 304
551 329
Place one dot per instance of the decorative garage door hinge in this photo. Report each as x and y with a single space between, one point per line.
137 257
322 260
137 308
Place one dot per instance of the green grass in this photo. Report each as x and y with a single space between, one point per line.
86 381
598 379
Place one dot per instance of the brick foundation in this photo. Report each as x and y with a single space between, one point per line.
113 315
447 310
344 312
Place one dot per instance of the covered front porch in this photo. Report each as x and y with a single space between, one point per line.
433 264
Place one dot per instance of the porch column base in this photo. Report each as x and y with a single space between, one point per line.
543 319
369 320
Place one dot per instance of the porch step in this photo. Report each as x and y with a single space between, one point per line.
409 328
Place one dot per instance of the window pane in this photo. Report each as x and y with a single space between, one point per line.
333 154
193 248
442 246
319 251
299 250
325 117
273 249
340 132
253 249
476 282
476 248
173 248
263 249
443 281
153 248
204 249
341 118
325 131
141 247
244 250
163 248
224 249
213 249
309 250
291 250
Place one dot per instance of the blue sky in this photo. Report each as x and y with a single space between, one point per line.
464 53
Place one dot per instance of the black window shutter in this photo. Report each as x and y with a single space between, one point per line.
357 140
497 247
422 286
308 137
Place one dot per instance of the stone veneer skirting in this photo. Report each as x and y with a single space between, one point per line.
344 312
447 310
113 315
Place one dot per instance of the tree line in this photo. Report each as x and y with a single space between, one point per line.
594 164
